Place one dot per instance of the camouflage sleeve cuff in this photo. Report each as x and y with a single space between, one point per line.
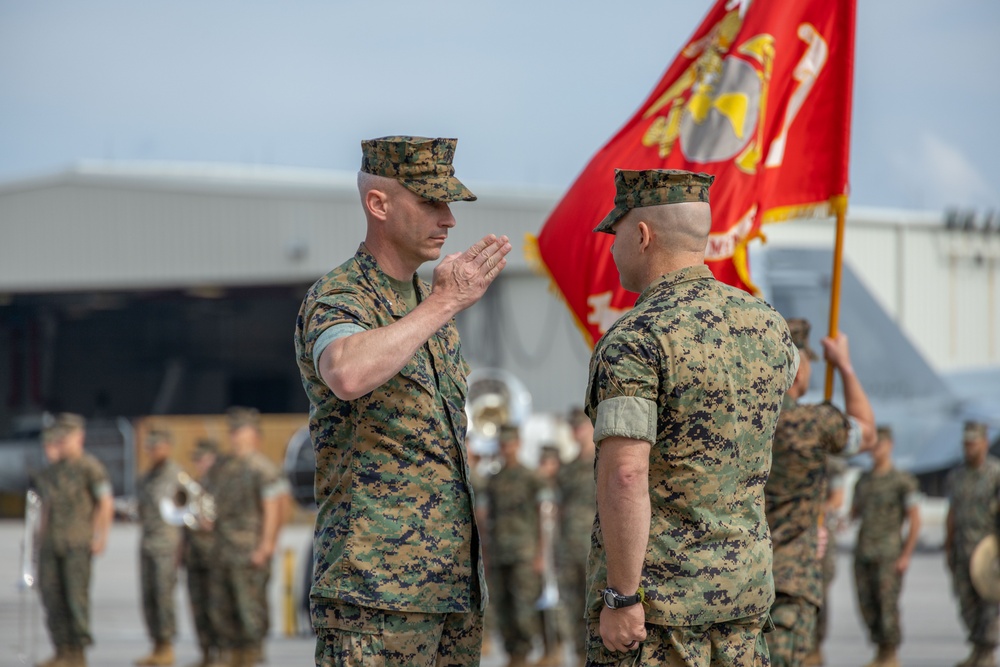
626 417
911 500
853 438
333 333
102 489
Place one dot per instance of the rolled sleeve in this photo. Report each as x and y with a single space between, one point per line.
626 417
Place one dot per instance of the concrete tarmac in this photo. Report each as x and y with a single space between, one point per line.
933 635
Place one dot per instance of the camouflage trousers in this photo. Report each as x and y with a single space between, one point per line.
352 636
822 616
236 612
514 590
199 586
980 617
879 585
573 593
794 622
158 574
64 583
738 643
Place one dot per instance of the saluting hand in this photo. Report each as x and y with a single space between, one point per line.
463 277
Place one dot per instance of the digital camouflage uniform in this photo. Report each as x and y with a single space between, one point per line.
396 537
836 467
514 584
796 492
158 549
268 470
71 491
199 556
240 491
578 494
973 494
882 503
698 369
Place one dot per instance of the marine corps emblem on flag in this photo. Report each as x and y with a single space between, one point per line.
760 97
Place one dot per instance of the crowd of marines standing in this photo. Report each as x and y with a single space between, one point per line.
225 547
711 482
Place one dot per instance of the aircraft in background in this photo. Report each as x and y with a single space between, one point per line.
925 409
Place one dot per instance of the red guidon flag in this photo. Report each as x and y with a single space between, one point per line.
760 96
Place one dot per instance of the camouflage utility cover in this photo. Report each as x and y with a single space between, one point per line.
654 187
796 492
421 165
240 492
159 482
513 515
973 494
395 527
578 492
71 490
716 362
199 545
882 501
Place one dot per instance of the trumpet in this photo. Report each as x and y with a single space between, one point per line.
189 505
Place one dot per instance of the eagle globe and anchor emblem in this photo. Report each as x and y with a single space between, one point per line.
715 112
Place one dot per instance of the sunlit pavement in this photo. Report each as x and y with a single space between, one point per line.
932 631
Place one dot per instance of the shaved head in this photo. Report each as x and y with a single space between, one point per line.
368 182
679 228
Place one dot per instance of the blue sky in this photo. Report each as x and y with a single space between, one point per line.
532 89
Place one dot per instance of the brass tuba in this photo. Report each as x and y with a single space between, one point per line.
495 397
189 504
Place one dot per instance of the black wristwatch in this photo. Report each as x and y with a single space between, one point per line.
615 600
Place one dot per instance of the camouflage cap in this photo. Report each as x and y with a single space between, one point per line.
204 446
159 435
509 432
799 328
654 187
883 432
974 431
240 417
420 164
62 425
577 417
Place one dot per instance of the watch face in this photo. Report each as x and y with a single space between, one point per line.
609 598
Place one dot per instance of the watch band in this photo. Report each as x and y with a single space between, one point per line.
615 600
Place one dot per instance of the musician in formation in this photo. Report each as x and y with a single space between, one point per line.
973 514
796 490
76 518
198 555
515 548
159 547
248 504
884 500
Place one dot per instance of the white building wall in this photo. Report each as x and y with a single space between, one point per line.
110 226
941 285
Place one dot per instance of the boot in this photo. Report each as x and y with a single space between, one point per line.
57 660
209 658
984 656
163 654
813 659
553 657
75 657
886 656
241 657
518 661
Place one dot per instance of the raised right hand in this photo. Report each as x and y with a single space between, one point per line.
462 278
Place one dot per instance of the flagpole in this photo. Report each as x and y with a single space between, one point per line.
840 208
